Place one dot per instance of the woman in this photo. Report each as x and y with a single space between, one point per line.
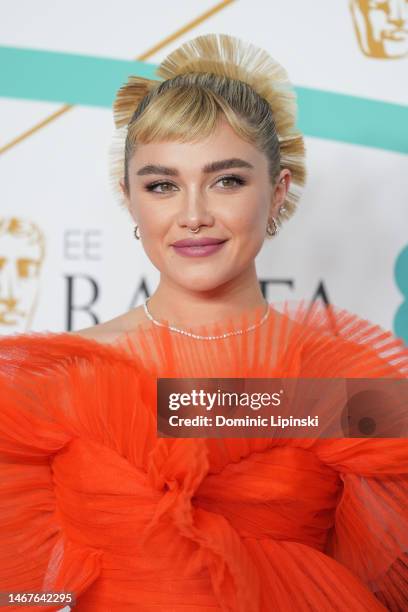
97 502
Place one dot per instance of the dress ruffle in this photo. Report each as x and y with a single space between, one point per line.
94 502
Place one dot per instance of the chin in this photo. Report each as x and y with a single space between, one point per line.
203 286
203 283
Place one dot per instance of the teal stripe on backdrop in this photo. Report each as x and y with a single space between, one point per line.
92 81
65 77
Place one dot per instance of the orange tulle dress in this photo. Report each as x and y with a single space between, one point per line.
94 502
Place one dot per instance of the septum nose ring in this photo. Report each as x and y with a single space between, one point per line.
195 230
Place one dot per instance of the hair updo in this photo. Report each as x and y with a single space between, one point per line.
208 77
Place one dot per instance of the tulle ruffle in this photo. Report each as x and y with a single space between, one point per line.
94 502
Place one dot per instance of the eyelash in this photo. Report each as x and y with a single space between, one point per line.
240 181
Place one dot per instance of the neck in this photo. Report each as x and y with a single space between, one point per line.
183 307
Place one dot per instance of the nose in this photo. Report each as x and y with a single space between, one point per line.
195 211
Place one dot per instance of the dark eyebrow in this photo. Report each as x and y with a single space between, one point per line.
223 164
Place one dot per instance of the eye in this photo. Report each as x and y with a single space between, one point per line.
233 180
229 182
152 187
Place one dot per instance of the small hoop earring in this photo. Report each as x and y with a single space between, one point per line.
135 233
272 228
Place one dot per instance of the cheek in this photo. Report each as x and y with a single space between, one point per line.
156 223
151 219
244 216
247 217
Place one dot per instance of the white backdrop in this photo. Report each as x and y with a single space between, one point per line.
351 227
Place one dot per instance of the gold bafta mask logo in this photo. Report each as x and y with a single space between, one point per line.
22 248
381 27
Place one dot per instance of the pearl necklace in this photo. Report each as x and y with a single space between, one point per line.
197 336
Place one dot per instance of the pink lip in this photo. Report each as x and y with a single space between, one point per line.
197 241
200 250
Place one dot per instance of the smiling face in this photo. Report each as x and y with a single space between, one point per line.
178 186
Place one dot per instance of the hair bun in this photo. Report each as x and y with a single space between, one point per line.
235 58
128 97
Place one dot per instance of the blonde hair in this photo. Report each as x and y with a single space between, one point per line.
205 77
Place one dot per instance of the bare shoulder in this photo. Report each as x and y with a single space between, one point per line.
109 331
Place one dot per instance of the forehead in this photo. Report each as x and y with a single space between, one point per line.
223 143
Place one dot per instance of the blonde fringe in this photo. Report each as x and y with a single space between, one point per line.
230 57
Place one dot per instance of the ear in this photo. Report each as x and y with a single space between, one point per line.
126 200
280 191
125 192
